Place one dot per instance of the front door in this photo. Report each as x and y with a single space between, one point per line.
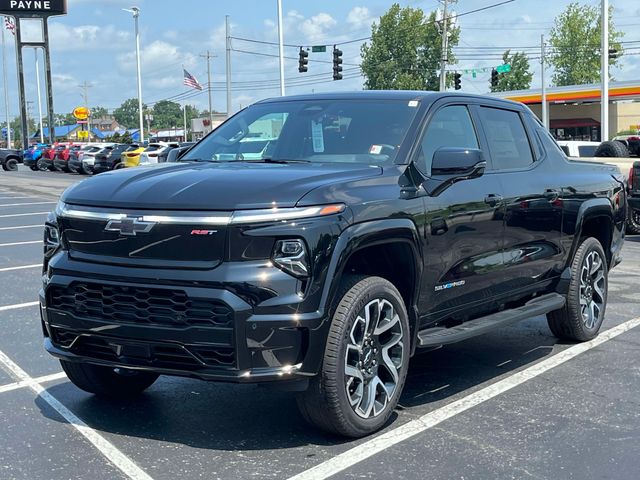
463 252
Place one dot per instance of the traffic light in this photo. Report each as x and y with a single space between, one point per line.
303 61
457 81
337 61
613 53
494 77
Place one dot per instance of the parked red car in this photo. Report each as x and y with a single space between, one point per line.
63 153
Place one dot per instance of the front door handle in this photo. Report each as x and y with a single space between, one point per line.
492 199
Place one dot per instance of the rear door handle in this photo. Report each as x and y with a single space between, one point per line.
492 199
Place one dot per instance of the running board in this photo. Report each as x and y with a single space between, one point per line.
431 337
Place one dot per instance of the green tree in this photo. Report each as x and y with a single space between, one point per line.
520 76
126 138
405 51
127 113
97 112
64 119
167 114
575 44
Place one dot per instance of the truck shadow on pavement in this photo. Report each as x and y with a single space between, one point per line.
245 417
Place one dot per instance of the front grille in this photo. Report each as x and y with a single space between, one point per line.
138 305
169 356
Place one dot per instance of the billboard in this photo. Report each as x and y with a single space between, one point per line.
33 8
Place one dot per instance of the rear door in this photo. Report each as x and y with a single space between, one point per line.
463 253
533 203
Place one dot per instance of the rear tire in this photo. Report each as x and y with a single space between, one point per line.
10 165
612 149
106 381
42 165
633 221
365 361
581 317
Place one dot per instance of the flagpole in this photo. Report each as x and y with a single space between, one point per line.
5 87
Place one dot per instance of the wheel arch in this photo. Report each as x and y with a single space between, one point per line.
595 219
393 243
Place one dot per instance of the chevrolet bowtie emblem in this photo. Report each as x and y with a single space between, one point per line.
129 226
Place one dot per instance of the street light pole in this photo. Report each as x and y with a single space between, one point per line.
281 46
6 89
604 74
135 11
35 54
443 58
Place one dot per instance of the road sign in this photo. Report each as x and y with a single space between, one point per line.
504 68
81 113
26 8
83 134
318 49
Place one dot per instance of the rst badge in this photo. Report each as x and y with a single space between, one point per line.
129 226
203 232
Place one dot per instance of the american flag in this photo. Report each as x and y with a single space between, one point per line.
10 25
191 81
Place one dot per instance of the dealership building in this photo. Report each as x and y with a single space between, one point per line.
574 111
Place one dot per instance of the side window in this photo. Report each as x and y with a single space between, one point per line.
508 142
449 127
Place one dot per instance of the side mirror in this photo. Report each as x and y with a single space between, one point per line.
454 164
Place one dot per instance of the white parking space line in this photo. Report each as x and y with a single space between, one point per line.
115 456
20 227
17 306
23 214
3 197
13 244
21 267
26 383
378 444
27 203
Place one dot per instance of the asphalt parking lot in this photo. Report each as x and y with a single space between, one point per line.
511 404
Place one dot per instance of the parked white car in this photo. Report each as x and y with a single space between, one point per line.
89 157
576 148
150 154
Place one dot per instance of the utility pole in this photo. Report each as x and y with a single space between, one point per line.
445 46
209 56
545 105
35 54
228 45
29 115
5 88
85 96
184 118
281 47
604 74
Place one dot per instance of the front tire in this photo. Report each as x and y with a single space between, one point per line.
365 361
106 381
581 317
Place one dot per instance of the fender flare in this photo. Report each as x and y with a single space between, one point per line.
592 208
368 234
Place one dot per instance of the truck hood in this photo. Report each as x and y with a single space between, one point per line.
211 186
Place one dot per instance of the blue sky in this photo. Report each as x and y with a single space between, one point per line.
94 42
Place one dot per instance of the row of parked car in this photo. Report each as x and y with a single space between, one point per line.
93 158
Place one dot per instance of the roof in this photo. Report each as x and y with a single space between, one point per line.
174 132
59 131
402 95
134 132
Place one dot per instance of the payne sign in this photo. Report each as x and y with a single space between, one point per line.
33 8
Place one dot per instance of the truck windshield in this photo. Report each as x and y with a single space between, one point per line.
347 131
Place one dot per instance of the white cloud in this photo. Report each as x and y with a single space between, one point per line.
88 37
360 17
316 27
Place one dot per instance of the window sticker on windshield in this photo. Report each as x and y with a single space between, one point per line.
413 103
375 149
317 136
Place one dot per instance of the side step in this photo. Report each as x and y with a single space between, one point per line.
431 337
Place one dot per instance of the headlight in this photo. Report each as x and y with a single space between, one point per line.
291 256
51 237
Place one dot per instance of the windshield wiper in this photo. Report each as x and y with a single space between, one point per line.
273 160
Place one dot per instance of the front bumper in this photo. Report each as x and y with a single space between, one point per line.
249 348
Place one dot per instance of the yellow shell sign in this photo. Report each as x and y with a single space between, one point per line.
81 113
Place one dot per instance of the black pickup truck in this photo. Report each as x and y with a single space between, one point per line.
371 225
10 158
